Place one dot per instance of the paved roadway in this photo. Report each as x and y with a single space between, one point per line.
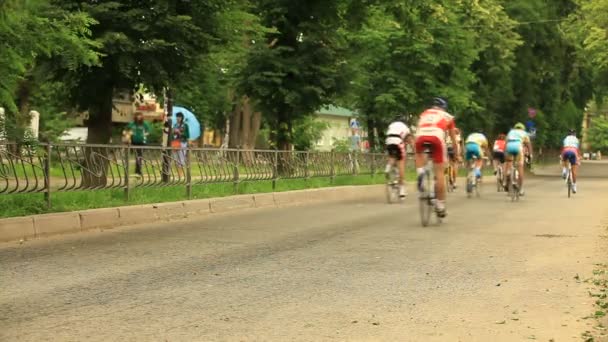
360 271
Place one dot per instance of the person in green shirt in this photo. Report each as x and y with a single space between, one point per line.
136 134
181 136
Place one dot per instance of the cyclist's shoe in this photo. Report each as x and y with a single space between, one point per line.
573 187
441 212
402 191
522 193
564 173
420 183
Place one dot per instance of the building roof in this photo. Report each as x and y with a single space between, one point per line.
337 111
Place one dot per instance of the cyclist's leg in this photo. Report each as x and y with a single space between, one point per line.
420 160
440 157
520 169
564 162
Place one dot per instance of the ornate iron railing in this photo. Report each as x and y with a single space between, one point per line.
53 168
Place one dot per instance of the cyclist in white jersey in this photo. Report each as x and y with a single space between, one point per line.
571 154
514 152
397 136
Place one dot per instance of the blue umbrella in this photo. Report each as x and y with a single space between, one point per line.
193 125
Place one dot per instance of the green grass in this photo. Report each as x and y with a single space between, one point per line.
31 204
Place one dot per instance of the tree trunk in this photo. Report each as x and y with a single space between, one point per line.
284 144
256 124
246 112
235 126
99 124
371 134
166 168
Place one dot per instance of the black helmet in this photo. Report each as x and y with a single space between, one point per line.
399 118
440 102
571 132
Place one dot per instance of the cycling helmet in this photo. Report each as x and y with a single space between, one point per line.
399 118
440 102
571 132
519 125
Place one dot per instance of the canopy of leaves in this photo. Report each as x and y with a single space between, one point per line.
598 133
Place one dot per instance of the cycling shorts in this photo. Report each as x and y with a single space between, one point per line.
500 156
570 156
396 151
514 152
438 150
472 150
451 154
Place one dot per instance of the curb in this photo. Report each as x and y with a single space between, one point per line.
40 226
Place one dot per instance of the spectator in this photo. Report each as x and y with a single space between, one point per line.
181 135
136 134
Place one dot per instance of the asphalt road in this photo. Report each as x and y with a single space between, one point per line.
494 270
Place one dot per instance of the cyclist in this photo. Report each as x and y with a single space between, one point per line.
517 138
476 145
498 150
570 154
451 156
433 125
397 136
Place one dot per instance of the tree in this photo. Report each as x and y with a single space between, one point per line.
36 32
301 67
598 133
307 132
549 76
141 42
406 53
210 86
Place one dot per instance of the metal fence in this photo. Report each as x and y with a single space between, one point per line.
54 168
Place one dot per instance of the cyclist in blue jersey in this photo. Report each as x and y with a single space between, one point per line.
517 138
571 154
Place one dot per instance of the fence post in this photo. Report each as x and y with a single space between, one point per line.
275 169
127 168
306 164
236 170
188 174
47 176
373 166
332 170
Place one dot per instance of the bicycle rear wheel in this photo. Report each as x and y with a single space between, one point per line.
513 191
499 185
425 200
392 189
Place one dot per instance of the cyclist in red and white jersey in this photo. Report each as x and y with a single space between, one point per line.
433 125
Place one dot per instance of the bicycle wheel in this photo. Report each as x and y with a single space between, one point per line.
425 200
392 186
499 185
448 179
512 185
469 186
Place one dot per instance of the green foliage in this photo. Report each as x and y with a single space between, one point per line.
209 86
341 145
300 66
598 133
33 33
307 131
